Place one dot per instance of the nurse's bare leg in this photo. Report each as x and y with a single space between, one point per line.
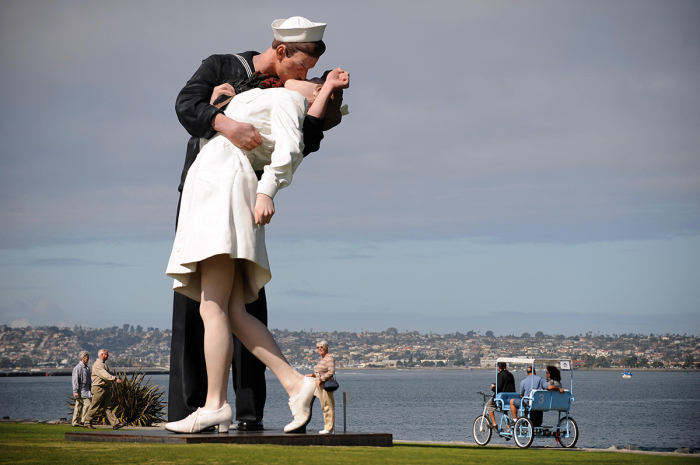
217 275
258 339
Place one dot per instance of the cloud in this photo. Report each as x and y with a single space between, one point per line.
23 323
564 123
37 311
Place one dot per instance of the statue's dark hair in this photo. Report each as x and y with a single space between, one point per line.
312 49
333 115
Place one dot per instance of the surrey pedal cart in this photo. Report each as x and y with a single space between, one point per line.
531 423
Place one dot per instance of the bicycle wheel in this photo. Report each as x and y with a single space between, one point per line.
563 439
481 430
522 432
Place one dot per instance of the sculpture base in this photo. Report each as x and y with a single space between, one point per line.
266 436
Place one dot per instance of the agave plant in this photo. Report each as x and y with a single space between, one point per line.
133 402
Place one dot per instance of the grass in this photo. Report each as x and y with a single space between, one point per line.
40 443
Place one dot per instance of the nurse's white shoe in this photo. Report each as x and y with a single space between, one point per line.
202 419
301 405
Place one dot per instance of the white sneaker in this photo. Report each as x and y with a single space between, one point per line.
324 431
300 405
202 419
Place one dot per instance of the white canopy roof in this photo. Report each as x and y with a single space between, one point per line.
530 361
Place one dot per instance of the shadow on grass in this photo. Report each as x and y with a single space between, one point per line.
446 446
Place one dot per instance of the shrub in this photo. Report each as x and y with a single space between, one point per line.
133 402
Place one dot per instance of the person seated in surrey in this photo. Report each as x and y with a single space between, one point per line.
505 382
533 382
554 379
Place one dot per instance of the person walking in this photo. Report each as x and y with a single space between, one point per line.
102 380
81 389
324 371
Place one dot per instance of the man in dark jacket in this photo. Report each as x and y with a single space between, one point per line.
297 47
505 383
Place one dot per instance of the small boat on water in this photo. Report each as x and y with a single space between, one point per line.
627 374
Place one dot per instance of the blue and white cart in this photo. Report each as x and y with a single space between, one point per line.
562 428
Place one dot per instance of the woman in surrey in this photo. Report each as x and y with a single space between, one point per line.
219 256
324 371
554 379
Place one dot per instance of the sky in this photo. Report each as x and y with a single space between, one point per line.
506 166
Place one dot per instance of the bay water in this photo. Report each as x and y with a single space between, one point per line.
655 411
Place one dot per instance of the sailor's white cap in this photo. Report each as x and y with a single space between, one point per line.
297 29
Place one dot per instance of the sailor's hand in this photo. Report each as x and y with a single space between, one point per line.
119 381
243 135
264 209
223 89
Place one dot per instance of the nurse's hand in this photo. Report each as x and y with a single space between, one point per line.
338 79
223 89
264 209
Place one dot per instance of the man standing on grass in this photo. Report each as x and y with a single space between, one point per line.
81 389
102 380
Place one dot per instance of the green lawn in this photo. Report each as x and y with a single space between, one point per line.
38 443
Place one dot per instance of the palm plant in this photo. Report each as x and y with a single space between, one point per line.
133 402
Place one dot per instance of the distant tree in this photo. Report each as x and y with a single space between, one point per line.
460 362
392 330
539 334
131 330
126 327
489 333
139 328
427 363
657 364
150 328
525 335
689 361
588 360
440 363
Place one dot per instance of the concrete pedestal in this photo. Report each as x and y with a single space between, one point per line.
267 436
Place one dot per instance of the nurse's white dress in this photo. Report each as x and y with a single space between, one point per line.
217 210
